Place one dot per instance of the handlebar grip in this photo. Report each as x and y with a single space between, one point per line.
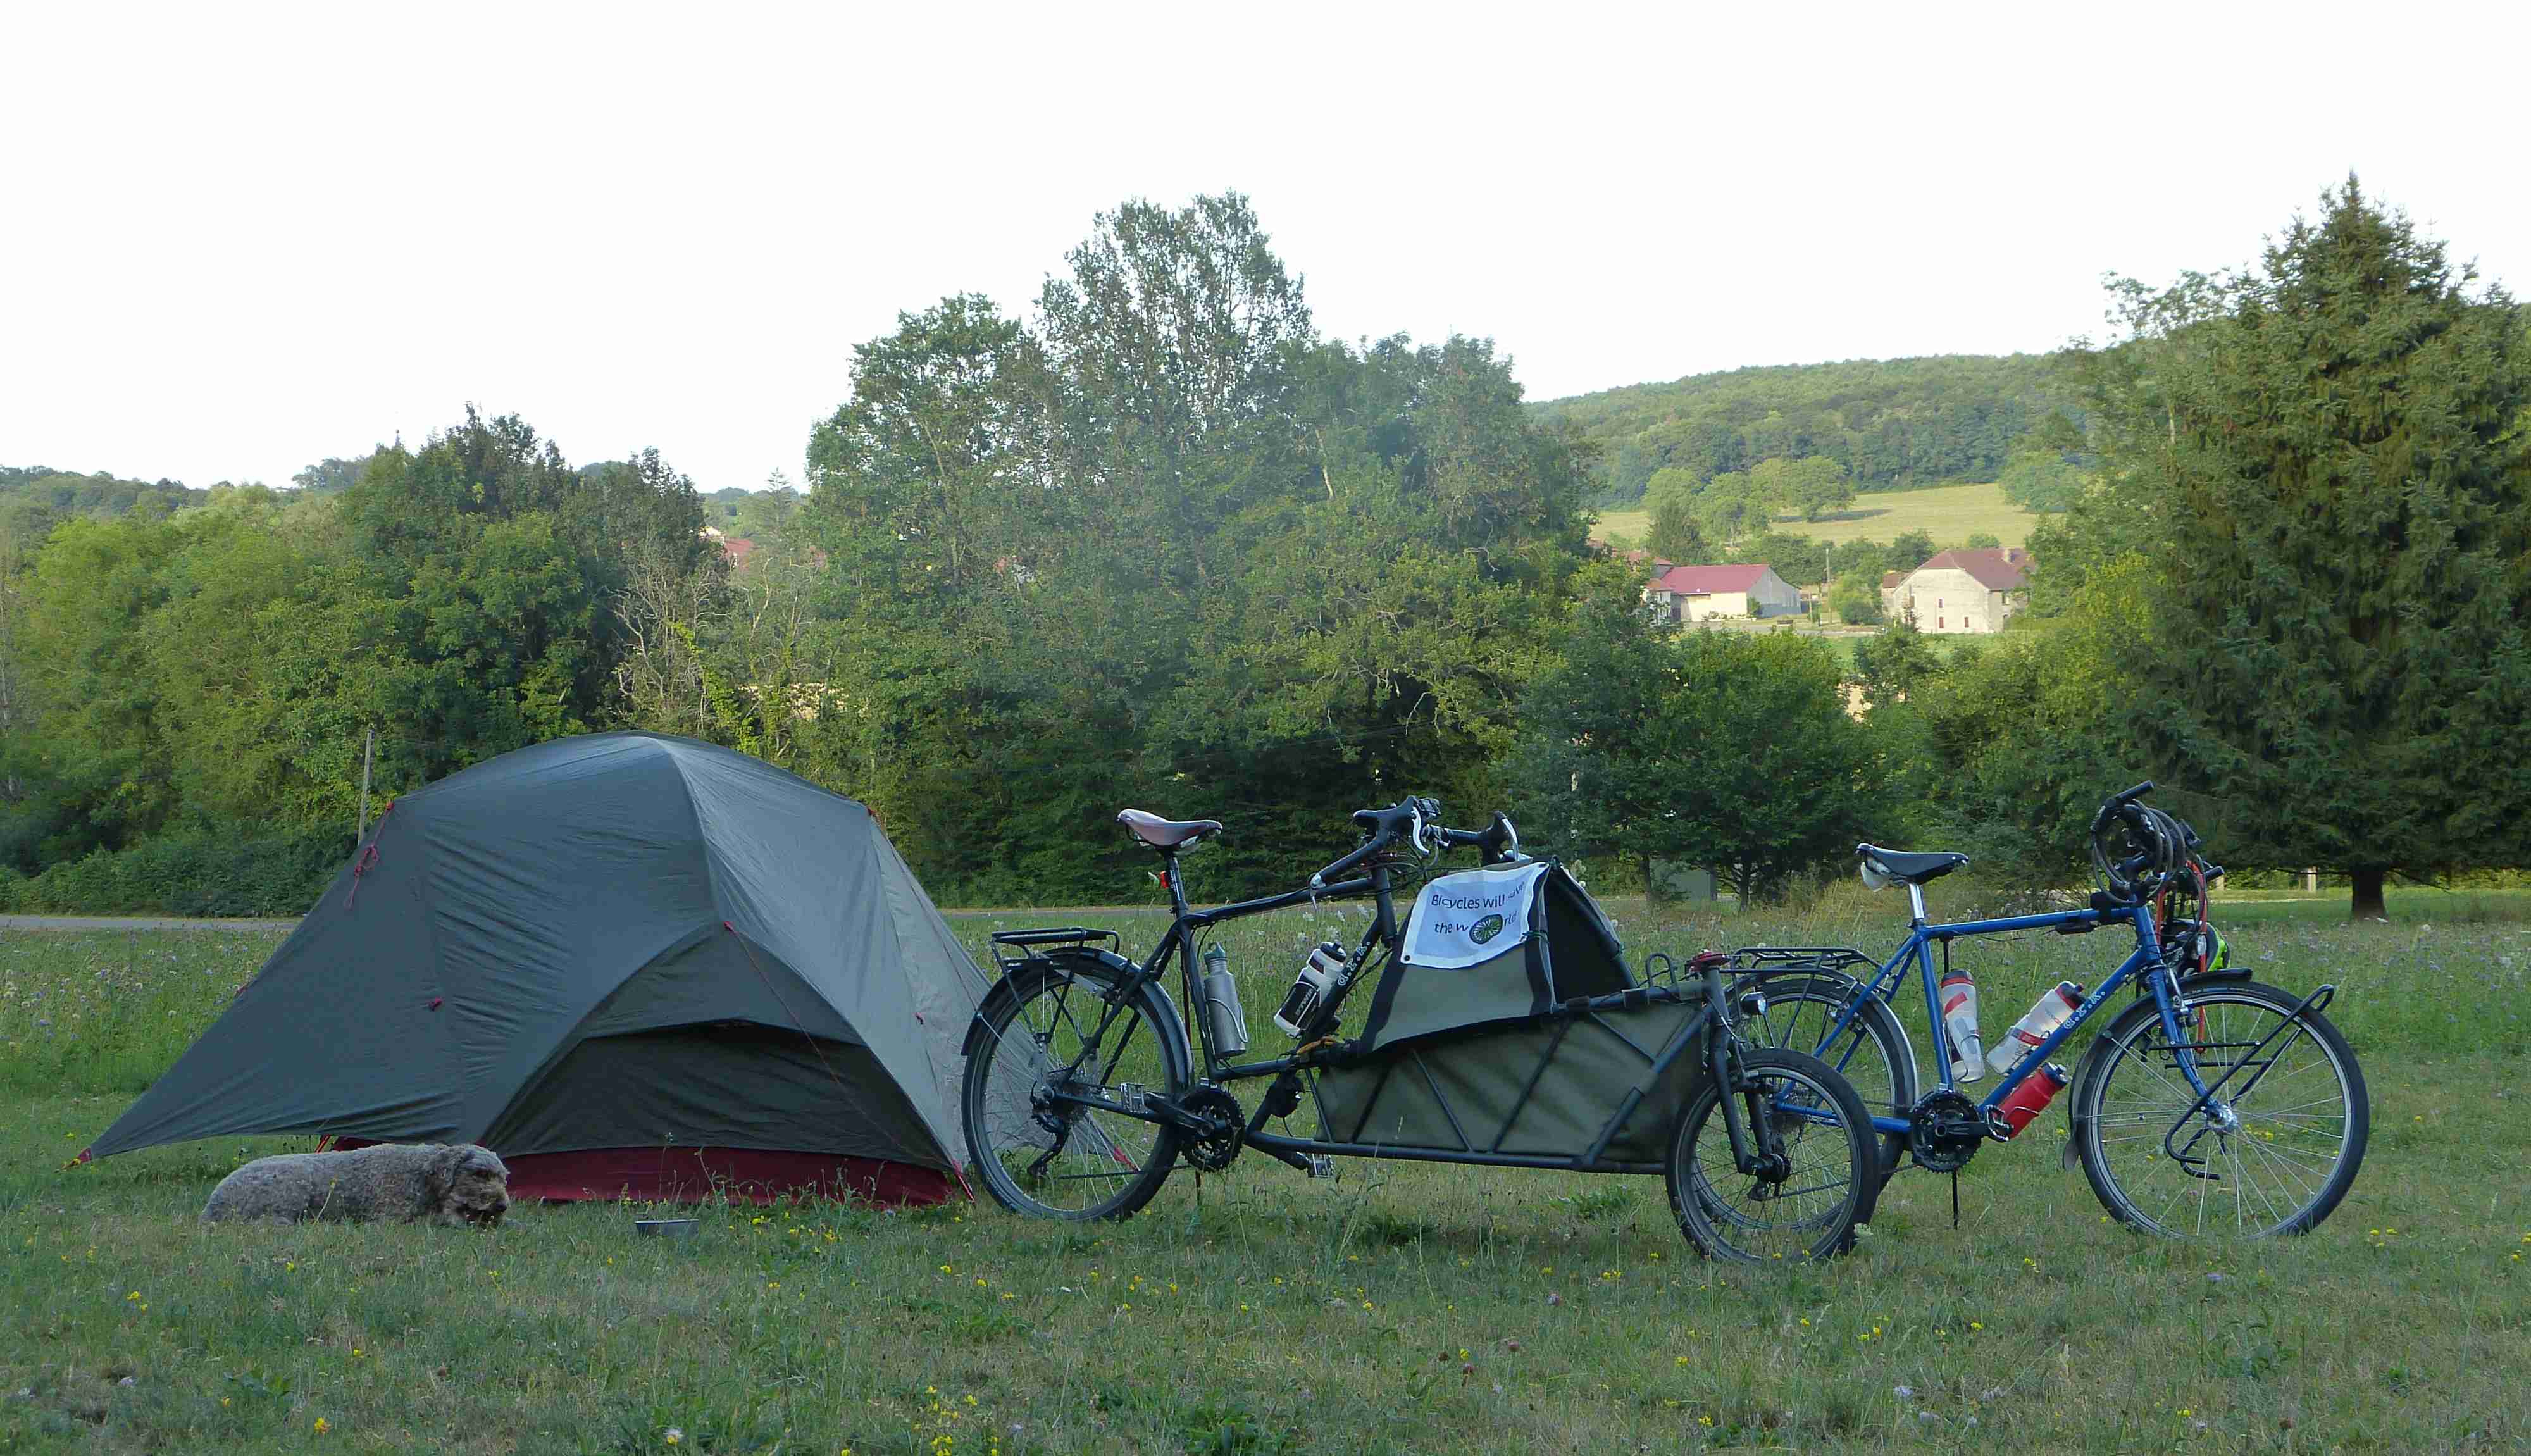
2115 802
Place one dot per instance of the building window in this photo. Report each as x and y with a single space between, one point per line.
1937 623
1938 601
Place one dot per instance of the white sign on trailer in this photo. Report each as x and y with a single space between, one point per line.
1474 915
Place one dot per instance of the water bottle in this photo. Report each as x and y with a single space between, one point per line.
1222 1009
1960 1026
2051 1013
2036 1092
1321 975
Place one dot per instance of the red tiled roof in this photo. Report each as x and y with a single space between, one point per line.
1890 579
1995 569
1700 581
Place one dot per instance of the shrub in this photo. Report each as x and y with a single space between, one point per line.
199 869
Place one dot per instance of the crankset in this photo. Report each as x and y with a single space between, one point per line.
1944 1130
1216 1127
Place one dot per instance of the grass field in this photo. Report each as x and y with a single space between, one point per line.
1402 1308
1951 513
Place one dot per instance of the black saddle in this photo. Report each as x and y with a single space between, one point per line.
1908 869
1167 834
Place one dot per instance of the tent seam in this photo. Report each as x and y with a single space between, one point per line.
896 937
438 963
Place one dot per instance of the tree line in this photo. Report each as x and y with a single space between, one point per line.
1160 542
1886 425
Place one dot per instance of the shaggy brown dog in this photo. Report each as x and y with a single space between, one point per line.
434 1181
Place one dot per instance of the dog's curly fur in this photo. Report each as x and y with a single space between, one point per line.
439 1183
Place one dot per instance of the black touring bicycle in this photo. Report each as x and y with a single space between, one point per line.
1503 1029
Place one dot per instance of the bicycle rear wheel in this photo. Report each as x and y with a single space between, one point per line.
2276 1158
1047 1030
1806 1208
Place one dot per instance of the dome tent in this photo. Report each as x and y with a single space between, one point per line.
625 962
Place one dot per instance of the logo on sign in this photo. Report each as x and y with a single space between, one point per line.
1486 930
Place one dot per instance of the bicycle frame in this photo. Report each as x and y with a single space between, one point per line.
1923 935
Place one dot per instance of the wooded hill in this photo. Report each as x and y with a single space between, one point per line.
1894 424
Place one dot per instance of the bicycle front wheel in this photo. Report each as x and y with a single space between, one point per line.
2273 1154
1055 1032
1820 1180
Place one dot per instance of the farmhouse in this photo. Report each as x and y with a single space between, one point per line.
733 548
1959 590
1694 593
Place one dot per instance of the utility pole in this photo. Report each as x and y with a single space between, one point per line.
368 747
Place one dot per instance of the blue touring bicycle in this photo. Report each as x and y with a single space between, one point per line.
2212 1104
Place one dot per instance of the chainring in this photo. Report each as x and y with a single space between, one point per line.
1210 1152
1944 1130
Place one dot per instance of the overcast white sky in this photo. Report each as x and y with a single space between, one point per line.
237 239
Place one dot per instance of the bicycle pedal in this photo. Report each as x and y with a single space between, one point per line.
1321 1165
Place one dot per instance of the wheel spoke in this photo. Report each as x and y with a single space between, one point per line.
2275 1166
1802 1211
1049 1154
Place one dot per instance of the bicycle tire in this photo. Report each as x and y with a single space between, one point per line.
2306 1152
1872 1052
1039 1019
1843 1151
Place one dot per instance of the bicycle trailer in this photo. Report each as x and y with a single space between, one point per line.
1508 1026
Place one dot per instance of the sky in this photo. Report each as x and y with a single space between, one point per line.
238 238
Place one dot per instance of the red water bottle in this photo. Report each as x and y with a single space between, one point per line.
2036 1092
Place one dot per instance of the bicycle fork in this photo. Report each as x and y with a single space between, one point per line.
1743 1106
2220 1118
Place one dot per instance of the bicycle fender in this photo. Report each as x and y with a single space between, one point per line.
1096 960
2098 1053
2070 1156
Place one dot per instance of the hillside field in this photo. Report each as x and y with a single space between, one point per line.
1403 1308
1951 513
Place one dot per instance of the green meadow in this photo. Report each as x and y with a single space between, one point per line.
1949 514
1399 1309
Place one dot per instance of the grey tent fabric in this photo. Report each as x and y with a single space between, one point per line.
613 940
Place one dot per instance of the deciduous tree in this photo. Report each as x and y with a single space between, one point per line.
1729 751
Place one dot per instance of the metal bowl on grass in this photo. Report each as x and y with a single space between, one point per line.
665 1228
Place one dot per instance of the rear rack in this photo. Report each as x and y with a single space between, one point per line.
1778 957
1028 941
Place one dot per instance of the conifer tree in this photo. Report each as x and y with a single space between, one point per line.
2328 462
